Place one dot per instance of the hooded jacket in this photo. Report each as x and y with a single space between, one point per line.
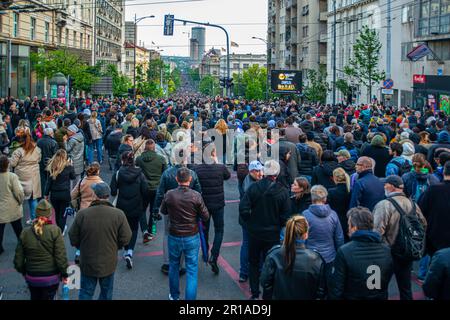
75 149
153 166
309 159
349 166
378 152
325 231
393 169
48 147
412 179
323 174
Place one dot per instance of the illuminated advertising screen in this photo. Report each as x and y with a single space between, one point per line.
286 81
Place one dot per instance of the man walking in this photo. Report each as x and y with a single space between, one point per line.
75 149
99 231
184 207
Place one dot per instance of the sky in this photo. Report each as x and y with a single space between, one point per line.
243 20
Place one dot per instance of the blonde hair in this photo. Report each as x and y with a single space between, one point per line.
135 123
340 176
94 115
221 126
296 228
57 163
38 226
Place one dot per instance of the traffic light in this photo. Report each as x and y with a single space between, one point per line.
230 83
222 82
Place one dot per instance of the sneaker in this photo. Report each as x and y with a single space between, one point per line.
182 271
254 297
147 237
243 279
171 298
129 261
165 269
214 266
77 259
29 222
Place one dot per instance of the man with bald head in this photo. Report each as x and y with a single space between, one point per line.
368 190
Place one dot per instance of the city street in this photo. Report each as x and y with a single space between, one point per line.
145 281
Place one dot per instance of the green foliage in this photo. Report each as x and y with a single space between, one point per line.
121 83
195 74
366 55
251 83
81 74
316 90
209 85
343 87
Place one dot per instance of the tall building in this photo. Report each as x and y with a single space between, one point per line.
198 46
130 31
110 32
297 34
142 59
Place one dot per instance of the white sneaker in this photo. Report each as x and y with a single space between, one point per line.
29 222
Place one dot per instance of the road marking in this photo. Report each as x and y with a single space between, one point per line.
245 288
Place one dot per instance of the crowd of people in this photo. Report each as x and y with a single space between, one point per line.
354 194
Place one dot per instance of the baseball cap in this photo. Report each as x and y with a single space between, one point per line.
255 165
396 181
101 190
343 153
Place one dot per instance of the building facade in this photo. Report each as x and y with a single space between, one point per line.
197 44
241 62
130 31
142 59
210 65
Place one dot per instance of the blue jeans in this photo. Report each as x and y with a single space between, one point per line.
189 246
88 285
98 145
217 217
423 267
32 204
243 271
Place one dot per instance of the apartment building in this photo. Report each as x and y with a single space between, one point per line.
210 65
142 58
241 62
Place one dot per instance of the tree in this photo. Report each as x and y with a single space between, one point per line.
82 76
366 55
316 90
208 85
121 83
251 83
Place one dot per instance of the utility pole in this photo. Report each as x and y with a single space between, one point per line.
334 53
388 42
269 53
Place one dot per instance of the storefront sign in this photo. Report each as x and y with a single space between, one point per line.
444 104
419 78
53 91
286 81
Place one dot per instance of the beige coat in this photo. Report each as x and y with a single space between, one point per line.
11 198
26 166
87 194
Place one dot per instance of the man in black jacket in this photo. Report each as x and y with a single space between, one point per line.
48 146
363 267
263 210
437 282
212 175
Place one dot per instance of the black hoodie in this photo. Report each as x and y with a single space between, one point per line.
323 174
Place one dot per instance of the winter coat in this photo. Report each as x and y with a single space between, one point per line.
306 282
4 141
350 273
323 174
26 167
75 150
387 218
60 187
211 178
339 201
437 282
11 198
309 159
41 255
164 149
264 210
112 143
381 156
434 148
393 169
412 179
122 149
292 134
48 147
284 177
131 188
294 160
153 166
367 191
349 166
83 189
300 205
96 129
99 231
325 231
435 206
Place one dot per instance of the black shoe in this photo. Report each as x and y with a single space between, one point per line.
165 269
77 259
243 279
2 250
129 261
182 271
214 266
254 297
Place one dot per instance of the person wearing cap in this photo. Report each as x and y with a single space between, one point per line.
99 231
41 255
263 211
387 222
345 161
74 145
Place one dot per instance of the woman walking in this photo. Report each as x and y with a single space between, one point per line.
41 255
301 196
61 172
97 139
339 198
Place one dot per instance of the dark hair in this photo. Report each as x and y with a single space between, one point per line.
128 159
4 163
328 155
361 218
183 175
447 168
302 138
397 148
93 169
444 157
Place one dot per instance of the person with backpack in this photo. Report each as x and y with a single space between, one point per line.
398 165
391 219
420 179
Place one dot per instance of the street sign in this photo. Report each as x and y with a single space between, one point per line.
419 78
168 24
388 83
440 72
387 91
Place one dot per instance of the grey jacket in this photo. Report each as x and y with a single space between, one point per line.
75 149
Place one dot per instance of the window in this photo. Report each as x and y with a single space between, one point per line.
16 25
81 41
305 31
89 42
33 29
407 13
406 48
67 37
74 38
47 32
236 66
305 51
305 10
59 32
246 66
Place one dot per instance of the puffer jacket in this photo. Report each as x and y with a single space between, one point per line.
11 198
309 159
325 231
75 149
323 174
393 169
130 185
353 260
306 282
153 165
26 167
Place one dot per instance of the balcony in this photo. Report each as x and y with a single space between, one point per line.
323 38
323 16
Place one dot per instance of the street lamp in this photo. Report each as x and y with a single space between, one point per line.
136 20
267 64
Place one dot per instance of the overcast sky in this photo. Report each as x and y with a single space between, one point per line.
242 18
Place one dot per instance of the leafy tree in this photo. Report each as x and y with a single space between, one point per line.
251 83
121 83
208 85
316 90
366 55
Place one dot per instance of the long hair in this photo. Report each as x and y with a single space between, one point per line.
221 126
304 184
39 224
57 163
340 176
296 228
28 145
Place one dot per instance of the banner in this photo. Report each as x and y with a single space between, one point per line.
419 52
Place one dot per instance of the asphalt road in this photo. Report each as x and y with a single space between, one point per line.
145 281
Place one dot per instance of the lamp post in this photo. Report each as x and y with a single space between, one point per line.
136 20
267 67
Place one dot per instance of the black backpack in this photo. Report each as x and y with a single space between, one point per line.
410 242
402 168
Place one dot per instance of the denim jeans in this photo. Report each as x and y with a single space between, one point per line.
190 247
166 242
98 145
243 271
32 204
217 217
88 285
148 203
423 267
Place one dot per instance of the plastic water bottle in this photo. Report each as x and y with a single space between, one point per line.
65 292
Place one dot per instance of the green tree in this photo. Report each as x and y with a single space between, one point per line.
316 90
364 64
121 83
251 83
49 63
208 85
